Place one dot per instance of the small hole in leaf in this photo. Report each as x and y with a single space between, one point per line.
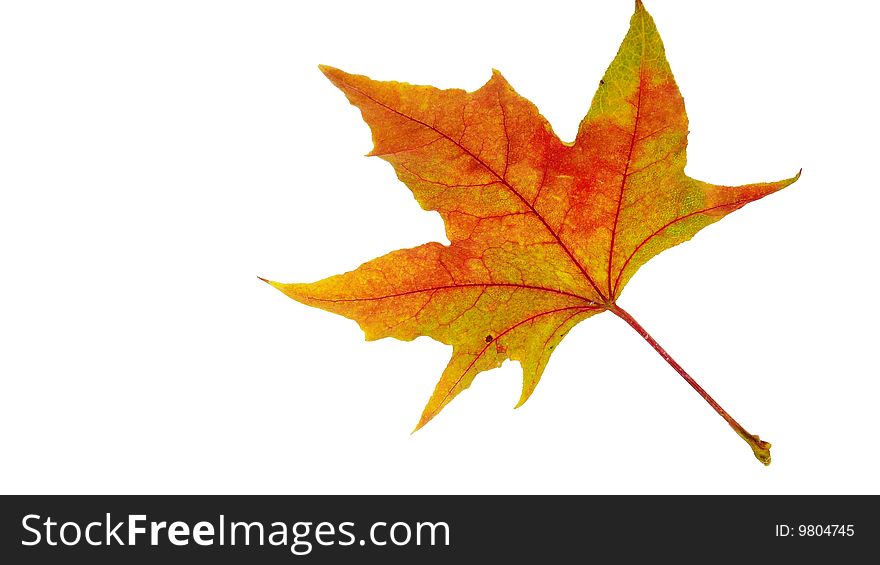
488 339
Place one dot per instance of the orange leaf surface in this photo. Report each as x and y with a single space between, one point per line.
543 234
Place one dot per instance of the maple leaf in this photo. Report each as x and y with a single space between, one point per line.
543 234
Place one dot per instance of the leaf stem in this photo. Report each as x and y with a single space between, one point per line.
760 448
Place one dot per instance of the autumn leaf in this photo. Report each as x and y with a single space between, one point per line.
543 234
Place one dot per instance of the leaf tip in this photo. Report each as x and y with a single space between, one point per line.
525 395
427 415
277 285
497 80
639 5
422 421
332 73
790 181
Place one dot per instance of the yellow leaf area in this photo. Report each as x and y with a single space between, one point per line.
543 234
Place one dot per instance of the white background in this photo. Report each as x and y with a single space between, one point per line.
155 157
